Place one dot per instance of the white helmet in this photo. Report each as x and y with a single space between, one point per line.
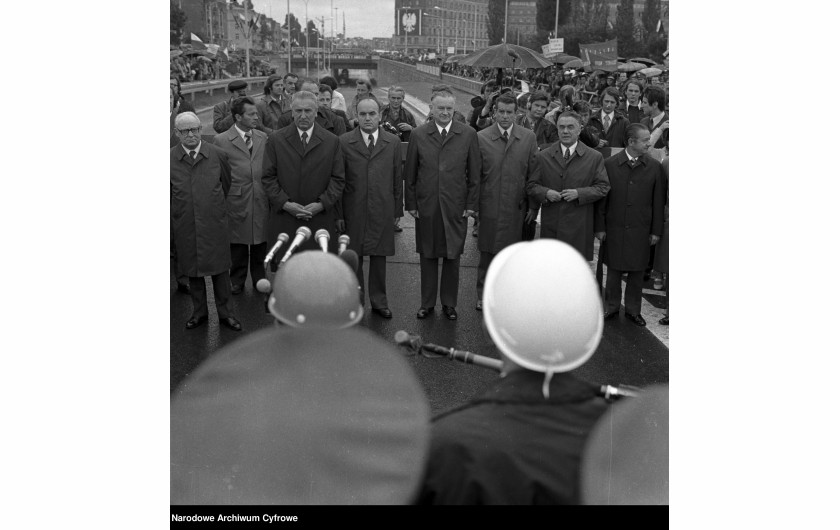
542 306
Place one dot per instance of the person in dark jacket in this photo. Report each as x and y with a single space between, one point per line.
609 124
397 115
372 198
521 441
656 119
325 117
544 130
325 98
588 135
631 107
181 104
222 117
199 181
482 106
629 220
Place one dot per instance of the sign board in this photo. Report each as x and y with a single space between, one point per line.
450 50
555 45
431 55
408 22
545 49
600 56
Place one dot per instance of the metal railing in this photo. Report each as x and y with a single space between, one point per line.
208 87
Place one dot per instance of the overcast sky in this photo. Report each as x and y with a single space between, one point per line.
365 18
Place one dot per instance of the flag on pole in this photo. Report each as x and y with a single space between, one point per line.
213 49
658 25
196 42
609 25
225 51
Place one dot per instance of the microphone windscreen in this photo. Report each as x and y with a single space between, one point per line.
264 286
283 236
351 259
305 232
322 232
401 337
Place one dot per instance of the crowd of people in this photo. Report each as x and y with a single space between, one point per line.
294 158
188 68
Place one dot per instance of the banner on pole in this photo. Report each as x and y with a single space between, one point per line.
555 45
408 22
600 56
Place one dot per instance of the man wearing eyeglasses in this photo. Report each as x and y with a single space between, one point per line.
199 181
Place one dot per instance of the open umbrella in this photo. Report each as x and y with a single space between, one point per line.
650 72
574 63
507 56
646 62
455 58
174 53
562 58
630 67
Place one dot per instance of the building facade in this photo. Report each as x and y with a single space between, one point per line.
437 25
522 20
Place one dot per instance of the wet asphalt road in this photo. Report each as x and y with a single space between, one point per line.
627 354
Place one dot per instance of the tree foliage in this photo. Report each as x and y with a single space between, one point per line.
495 21
624 28
295 33
651 15
547 11
586 23
177 21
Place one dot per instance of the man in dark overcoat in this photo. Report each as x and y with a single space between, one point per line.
199 180
442 171
570 181
247 203
372 198
629 220
303 174
508 162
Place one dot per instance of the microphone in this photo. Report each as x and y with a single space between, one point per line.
301 236
403 338
343 241
351 259
281 240
323 238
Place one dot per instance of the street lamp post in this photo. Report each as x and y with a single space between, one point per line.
306 29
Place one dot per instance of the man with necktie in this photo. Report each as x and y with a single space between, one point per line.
442 172
199 180
222 119
629 220
246 201
372 198
570 181
609 124
303 174
508 162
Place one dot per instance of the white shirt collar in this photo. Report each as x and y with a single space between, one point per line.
196 149
374 133
308 132
605 114
637 105
563 148
448 127
502 130
242 133
630 157
655 121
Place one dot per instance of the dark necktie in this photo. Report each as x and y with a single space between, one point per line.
303 138
443 134
249 143
370 143
192 155
505 137
606 123
567 155
633 162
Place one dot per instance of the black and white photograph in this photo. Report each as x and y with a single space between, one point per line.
363 194
419 256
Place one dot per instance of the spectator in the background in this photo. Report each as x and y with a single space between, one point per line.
397 115
363 89
181 104
277 99
609 124
544 130
337 97
222 117
325 99
632 107
483 107
588 135
656 119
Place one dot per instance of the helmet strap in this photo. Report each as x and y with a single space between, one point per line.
548 375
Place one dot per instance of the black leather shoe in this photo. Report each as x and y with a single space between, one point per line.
663 321
384 312
183 288
237 289
636 319
194 322
232 323
610 314
425 311
479 306
450 312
